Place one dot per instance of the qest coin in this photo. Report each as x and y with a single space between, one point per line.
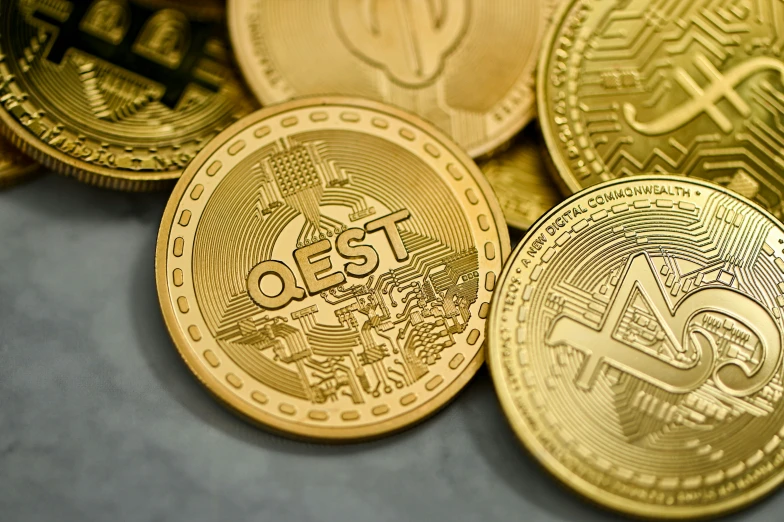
635 342
112 92
325 268
15 167
522 181
641 87
465 66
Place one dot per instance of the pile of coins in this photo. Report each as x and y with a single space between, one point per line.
336 266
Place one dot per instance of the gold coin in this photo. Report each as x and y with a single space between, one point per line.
467 67
325 267
635 341
521 180
111 92
648 87
15 167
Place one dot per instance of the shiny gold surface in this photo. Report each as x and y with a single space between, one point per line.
658 86
465 66
325 268
111 92
15 167
521 180
636 345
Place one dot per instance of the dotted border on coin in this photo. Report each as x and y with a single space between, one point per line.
550 462
286 122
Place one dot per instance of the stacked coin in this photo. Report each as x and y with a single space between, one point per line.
330 266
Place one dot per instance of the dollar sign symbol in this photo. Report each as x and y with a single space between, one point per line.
733 376
705 100
409 39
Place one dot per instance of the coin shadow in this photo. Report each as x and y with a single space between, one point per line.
174 377
64 199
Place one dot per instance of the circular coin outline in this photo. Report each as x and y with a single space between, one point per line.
114 179
265 92
528 145
529 440
561 172
214 385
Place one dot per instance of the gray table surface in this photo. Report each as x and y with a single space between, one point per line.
101 421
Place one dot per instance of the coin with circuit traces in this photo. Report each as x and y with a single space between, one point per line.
325 268
466 66
635 342
15 167
694 88
521 180
112 92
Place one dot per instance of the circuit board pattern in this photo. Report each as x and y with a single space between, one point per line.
111 91
694 88
423 56
381 332
641 344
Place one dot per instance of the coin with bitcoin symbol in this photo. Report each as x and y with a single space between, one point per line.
15 167
521 180
325 268
635 341
639 87
112 92
430 58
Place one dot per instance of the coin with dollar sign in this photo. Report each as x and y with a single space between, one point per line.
112 92
466 66
325 268
648 87
635 341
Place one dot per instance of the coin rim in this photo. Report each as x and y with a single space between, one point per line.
245 60
119 179
214 385
565 177
529 440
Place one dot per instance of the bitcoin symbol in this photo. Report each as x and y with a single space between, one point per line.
159 50
677 325
408 38
722 86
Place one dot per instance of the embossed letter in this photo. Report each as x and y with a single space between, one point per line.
388 223
364 252
289 291
311 269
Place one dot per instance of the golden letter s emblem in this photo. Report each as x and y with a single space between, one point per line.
736 377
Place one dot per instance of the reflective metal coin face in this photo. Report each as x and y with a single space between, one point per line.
466 66
112 92
14 166
325 268
522 181
636 346
649 87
